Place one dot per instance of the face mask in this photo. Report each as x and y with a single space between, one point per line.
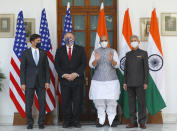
134 44
104 44
38 45
69 41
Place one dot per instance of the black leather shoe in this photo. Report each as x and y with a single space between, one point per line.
113 124
99 125
30 127
41 126
143 126
76 125
132 125
66 125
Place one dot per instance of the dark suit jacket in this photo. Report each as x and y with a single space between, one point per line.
29 71
77 64
136 68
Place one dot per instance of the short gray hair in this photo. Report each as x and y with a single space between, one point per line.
134 36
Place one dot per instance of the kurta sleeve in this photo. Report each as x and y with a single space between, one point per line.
116 58
92 58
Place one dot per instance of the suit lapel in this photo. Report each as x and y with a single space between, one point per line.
65 54
31 55
40 56
73 53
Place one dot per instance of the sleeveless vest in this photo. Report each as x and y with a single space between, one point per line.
104 71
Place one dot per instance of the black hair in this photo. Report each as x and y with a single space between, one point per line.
34 36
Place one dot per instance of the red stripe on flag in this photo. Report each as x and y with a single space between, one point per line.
18 106
36 102
52 78
47 108
59 97
51 97
17 87
15 67
50 56
59 91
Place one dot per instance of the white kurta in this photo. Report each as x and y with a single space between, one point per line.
104 89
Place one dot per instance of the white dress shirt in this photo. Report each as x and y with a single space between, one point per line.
104 89
33 50
67 49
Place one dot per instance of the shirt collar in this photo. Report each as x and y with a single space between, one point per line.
34 49
135 50
69 47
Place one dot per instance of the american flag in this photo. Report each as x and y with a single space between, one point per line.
15 92
47 46
67 28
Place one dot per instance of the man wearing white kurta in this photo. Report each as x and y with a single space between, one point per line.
105 87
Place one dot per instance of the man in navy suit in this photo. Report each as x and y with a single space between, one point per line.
70 64
34 76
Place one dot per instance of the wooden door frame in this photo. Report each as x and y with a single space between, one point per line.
87 11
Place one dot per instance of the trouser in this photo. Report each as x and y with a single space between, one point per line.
29 94
71 103
104 106
139 93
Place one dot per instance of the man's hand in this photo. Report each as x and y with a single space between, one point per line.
73 76
145 86
110 56
125 87
70 77
47 86
23 87
66 76
97 56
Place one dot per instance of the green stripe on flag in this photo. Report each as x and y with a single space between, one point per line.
123 99
154 100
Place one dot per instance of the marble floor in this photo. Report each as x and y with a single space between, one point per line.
164 127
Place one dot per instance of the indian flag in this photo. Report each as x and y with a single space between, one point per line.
124 47
155 94
101 27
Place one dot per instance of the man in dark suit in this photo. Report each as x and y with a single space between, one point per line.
34 76
135 82
70 64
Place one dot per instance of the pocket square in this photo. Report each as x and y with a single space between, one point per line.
139 56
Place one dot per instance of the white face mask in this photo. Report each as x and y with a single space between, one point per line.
134 44
104 44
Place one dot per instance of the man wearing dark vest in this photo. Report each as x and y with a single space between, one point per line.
135 82
34 76
70 64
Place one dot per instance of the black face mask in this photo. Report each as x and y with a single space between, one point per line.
38 45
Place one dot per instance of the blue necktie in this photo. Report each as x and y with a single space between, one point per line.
35 57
